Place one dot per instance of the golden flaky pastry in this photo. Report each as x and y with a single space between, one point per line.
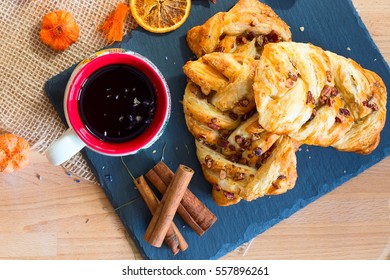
319 98
245 29
238 157
14 153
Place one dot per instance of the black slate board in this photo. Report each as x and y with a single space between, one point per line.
333 25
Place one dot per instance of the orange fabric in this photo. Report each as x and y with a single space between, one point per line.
14 153
113 26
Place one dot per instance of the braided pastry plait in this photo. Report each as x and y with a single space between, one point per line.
319 98
244 29
238 157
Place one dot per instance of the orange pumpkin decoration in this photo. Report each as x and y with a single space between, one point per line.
14 153
59 30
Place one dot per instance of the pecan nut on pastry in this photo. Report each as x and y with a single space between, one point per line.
244 29
319 98
238 157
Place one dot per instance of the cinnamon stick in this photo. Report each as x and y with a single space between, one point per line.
191 209
173 238
165 212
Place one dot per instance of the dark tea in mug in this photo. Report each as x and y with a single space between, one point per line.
117 103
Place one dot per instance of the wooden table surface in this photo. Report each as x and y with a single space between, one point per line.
46 214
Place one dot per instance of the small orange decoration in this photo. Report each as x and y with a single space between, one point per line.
14 153
59 30
113 25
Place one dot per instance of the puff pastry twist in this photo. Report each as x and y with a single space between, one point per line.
319 98
244 29
238 157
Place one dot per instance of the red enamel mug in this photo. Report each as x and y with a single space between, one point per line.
116 103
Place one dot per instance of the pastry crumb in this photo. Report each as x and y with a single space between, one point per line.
302 28
348 49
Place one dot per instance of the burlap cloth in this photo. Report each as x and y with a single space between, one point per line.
26 64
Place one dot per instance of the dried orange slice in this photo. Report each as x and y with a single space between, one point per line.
160 16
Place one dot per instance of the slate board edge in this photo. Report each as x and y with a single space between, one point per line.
368 35
299 205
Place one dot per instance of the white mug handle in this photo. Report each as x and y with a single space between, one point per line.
66 146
